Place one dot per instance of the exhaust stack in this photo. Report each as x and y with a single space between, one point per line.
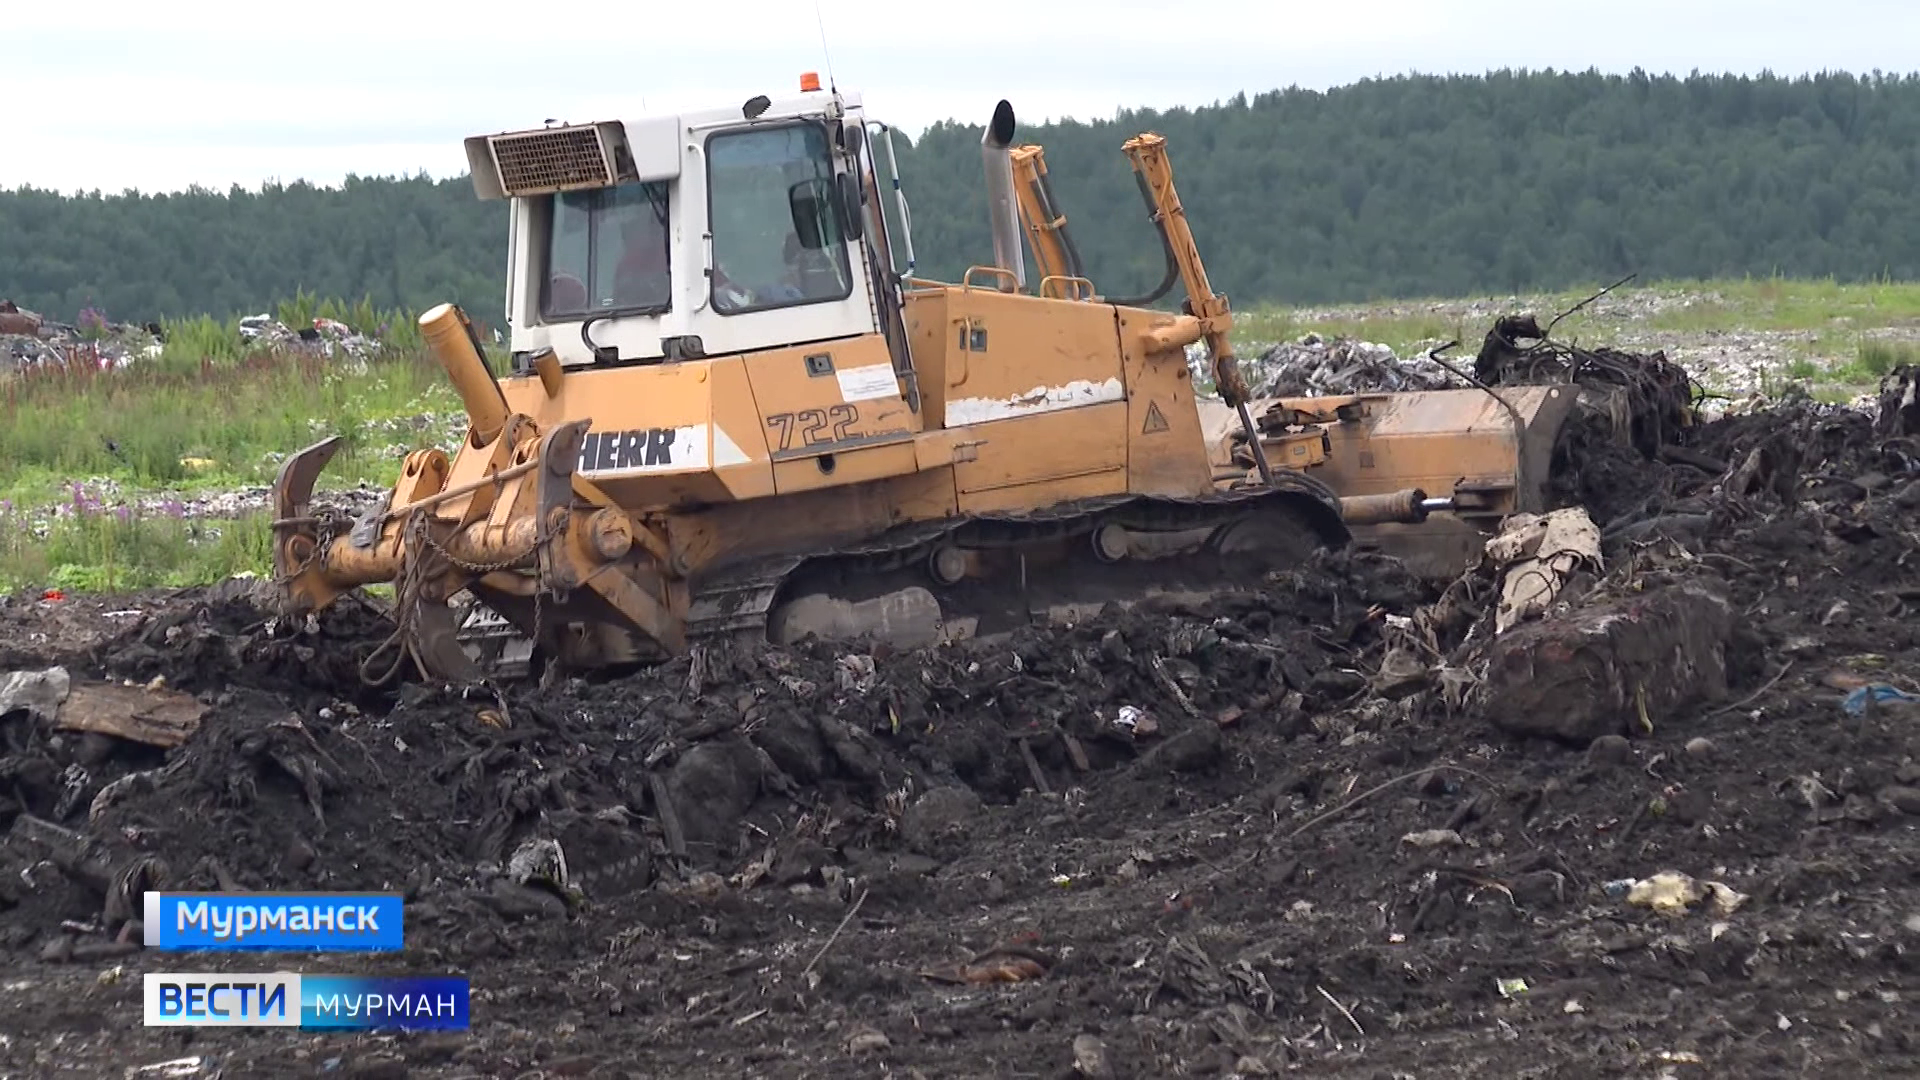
1004 212
451 337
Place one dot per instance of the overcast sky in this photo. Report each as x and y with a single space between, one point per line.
152 96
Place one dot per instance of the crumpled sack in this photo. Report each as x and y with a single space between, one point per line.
40 693
1670 892
1539 553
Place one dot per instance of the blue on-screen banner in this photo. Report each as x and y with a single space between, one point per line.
314 1002
277 922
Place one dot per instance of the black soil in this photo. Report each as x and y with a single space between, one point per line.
1191 842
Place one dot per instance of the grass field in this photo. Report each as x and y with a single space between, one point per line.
151 475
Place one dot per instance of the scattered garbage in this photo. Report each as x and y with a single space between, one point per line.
27 339
1536 555
1856 702
1005 964
149 714
1670 892
327 337
177 1067
1314 366
39 693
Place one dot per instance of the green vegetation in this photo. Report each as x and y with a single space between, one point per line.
98 467
1388 187
94 549
220 423
1776 303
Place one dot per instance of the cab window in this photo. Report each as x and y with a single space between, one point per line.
776 235
607 252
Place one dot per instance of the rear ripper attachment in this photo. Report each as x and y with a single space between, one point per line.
506 519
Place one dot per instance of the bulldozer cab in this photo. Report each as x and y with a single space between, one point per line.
693 234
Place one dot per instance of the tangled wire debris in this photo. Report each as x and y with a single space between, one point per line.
1658 398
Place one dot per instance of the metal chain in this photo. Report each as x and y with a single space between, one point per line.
324 534
418 541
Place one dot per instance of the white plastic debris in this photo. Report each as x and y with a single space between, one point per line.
40 693
186 1066
1539 553
539 860
855 673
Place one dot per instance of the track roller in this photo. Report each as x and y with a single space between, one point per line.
1110 543
947 564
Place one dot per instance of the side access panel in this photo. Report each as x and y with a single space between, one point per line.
1039 383
1011 356
1088 445
1166 450
832 414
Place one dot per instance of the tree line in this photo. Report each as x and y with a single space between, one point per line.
1405 186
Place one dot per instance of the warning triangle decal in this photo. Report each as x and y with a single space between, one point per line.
1156 421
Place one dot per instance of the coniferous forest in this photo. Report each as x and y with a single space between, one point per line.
1397 187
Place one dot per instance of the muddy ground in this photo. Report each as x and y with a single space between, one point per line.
1319 828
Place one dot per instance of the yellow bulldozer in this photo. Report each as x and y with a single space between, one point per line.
734 409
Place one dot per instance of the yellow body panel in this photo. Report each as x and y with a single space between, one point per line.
1048 446
1044 493
721 429
816 518
1165 453
1009 355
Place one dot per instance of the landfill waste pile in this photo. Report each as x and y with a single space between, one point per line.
27 340
1316 367
1639 795
327 337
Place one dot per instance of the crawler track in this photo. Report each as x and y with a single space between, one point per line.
1018 567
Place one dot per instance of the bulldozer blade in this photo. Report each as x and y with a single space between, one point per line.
437 631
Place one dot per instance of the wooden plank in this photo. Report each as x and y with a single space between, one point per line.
1075 752
1033 769
162 718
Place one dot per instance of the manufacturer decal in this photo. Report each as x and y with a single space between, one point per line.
643 450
